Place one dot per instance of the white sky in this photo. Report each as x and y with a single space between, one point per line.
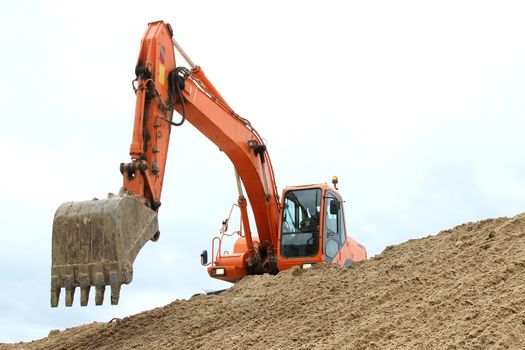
417 106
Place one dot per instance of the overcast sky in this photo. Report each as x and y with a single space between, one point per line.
418 107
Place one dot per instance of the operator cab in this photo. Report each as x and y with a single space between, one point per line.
313 228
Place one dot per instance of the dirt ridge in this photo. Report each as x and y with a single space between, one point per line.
463 288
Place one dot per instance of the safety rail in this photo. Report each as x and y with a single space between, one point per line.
217 240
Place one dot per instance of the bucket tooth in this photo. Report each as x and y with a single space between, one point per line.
100 288
55 296
70 290
99 295
55 291
115 287
84 289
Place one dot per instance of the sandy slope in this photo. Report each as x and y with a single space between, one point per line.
461 289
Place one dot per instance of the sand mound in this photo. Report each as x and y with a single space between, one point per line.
461 289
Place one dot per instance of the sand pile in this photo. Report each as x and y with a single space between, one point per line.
461 289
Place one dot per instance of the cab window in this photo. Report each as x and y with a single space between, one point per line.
300 223
334 235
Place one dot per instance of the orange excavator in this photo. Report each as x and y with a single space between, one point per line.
95 242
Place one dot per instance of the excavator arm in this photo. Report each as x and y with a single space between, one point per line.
95 242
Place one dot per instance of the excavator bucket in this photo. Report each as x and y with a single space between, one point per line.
95 243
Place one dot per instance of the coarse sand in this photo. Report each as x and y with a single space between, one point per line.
463 288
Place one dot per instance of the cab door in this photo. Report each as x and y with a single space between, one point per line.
334 230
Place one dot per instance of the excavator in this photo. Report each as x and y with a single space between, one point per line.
95 242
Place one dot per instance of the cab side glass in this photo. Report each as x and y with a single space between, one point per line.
334 228
342 226
331 249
